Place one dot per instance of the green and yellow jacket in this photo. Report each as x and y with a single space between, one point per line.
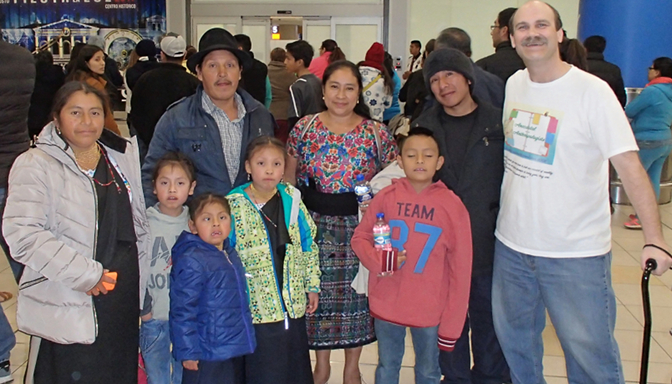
268 301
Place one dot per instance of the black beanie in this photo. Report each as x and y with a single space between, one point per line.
146 47
448 59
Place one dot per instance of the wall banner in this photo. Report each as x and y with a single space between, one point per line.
57 25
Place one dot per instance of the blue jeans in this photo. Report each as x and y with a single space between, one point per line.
391 349
653 155
580 301
155 348
7 338
489 364
17 268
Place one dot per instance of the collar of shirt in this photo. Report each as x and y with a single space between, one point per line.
212 109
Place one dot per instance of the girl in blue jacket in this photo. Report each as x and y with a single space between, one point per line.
210 320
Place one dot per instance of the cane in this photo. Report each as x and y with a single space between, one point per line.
651 265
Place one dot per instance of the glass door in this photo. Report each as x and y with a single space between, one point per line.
315 31
356 34
200 25
259 31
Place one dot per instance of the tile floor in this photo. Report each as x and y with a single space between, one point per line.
626 279
626 276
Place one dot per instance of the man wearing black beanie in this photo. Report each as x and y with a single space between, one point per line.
471 140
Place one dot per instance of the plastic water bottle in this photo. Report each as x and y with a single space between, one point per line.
363 190
382 238
382 241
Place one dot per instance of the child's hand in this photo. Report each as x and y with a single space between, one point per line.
363 208
146 317
191 365
401 258
313 300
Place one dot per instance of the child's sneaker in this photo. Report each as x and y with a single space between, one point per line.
5 373
633 223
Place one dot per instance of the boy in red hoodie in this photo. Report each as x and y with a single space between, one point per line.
430 291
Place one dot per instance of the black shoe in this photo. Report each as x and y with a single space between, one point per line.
5 373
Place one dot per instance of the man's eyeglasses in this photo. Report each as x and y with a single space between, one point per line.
652 68
493 27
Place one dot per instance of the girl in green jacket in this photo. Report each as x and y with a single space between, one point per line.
273 234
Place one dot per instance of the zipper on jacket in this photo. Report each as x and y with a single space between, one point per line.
275 272
485 139
289 292
95 229
243 302
33 282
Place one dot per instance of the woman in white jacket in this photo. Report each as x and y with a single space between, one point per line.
378 84
75 210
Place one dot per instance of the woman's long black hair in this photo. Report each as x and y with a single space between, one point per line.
360 108
80 69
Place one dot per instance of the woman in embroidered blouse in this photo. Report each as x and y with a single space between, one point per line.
326 153
75 211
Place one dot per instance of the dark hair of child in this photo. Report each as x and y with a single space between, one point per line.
175 158
197 204
262 142
417 131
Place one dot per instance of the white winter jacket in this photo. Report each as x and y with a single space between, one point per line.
50 224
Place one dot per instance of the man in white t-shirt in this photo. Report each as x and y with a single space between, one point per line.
562 127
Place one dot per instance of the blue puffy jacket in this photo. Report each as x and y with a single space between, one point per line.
210 316
187 128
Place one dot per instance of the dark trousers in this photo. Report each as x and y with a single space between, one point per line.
489 364
215 372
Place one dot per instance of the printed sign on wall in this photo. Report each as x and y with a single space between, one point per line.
57 25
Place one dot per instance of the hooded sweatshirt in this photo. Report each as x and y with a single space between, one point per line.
432 287
165 230
651 113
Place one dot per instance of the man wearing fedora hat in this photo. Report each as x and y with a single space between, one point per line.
213 126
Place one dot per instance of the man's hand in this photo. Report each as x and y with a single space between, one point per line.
191 365
406 75
664 261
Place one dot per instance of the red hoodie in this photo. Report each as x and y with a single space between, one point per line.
432 287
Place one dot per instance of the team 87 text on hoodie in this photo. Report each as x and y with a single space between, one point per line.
432 286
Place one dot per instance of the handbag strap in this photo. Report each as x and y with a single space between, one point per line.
375 79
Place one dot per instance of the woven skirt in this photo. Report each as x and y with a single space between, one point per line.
342 319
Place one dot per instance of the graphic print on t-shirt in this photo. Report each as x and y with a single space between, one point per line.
532 133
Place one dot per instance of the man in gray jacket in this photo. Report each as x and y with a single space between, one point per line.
17 74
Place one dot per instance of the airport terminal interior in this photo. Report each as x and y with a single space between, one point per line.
355 25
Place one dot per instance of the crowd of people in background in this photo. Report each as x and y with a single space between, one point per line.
224 239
